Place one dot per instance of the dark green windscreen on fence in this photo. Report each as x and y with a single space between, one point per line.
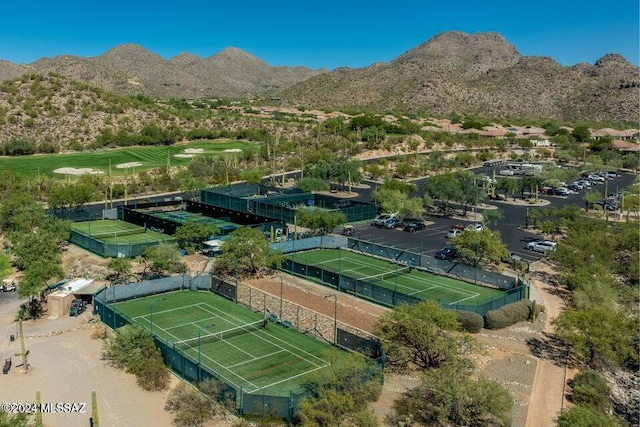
270 400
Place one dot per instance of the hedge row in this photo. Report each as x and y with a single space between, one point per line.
508 315
471 322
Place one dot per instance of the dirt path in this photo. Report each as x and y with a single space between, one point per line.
548 392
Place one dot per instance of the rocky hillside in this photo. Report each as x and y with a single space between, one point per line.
482 75
131 69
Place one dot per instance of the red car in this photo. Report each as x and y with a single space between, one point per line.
458 227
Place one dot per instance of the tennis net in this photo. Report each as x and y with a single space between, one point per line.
217 336
107 234
385 276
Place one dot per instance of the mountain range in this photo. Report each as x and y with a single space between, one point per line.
452 73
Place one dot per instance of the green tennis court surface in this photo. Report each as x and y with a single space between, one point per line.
405 280
229 340
119 232
183 217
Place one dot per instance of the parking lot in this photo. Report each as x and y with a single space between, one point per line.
511 227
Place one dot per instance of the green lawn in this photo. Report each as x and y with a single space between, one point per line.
270 359
150 157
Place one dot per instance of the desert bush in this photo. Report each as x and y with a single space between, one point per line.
190 406
508 315
133 349
471 322
590 388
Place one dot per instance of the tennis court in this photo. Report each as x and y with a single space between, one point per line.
237 344
397 277
116 232
182 217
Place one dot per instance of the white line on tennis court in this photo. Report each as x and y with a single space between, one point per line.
275 338
204 356
255 358
290 378
239 349
165 311
424 290
464 299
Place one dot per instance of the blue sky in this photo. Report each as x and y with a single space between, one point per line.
315 34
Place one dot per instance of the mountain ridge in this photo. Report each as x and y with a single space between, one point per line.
452 73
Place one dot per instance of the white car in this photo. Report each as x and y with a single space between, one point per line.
474 227
453 233
543 246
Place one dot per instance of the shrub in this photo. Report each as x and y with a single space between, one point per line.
471 322
508 315
590 388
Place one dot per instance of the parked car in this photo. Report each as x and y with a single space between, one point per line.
474 227
612 174
460 227
575 186
77 307
448 253
453 233
543 246
392 223
561 192
414 226
513 257
380 219
585 183
8 285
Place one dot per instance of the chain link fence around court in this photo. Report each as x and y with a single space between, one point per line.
113 250
283 403
514 289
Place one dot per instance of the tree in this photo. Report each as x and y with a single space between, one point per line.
598 335
443 188
121 267
508 185
338 396
309 185
246 252
451 395
468 192
319 221
192 234
476 246
421 334
191 407
396 201
590 199
164 258
36 278
584 416
132 349
491 216
581 133
14 420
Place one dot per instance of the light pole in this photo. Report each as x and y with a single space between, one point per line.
281 297
91 215
335 317
151 313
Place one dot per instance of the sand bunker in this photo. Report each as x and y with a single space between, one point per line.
77 171
128 165
184 156
194 150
